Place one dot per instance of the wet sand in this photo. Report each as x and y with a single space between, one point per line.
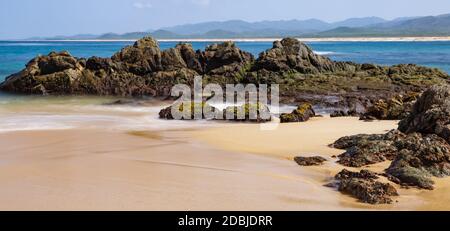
225 167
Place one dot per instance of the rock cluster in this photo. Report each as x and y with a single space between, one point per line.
419 150
140 69
145 69
241 113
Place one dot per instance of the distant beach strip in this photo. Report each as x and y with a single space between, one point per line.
330 39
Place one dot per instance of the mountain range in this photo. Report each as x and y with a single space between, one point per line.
353 27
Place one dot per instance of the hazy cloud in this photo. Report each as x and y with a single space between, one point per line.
201 2
142 5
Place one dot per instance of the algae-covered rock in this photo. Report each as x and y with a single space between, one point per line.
302 114
362 150
419 158
395 108
188 111
363 185
258 113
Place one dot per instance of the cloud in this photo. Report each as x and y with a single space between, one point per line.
142 5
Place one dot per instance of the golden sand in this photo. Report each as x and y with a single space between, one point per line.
229 167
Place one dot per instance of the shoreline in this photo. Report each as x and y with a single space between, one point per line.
196 169
330 39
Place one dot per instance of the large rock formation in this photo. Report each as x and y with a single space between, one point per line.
144 69
140 69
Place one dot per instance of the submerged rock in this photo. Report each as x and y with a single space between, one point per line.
363 185
309 161
191 109
302 114
258 113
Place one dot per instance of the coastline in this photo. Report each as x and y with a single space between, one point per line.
330 39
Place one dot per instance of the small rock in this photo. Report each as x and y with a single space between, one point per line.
363 186
309 161
302 114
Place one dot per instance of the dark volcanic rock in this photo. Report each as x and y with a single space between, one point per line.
418 154
420 157
363 185
430 114
302 114
291 54
226 60
395 108
309 161
364 150
143 69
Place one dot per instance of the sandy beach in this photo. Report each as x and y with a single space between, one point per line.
220 167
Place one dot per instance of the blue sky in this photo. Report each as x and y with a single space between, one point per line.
27 18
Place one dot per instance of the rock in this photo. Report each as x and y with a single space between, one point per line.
190 57
365 150
226 60
246 112
302 114
430 114
291 54
363 185
56 72
349 113
419 158
309 161
142 58
396 108
363 174
195 108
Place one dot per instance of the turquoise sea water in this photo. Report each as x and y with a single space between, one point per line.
14 55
